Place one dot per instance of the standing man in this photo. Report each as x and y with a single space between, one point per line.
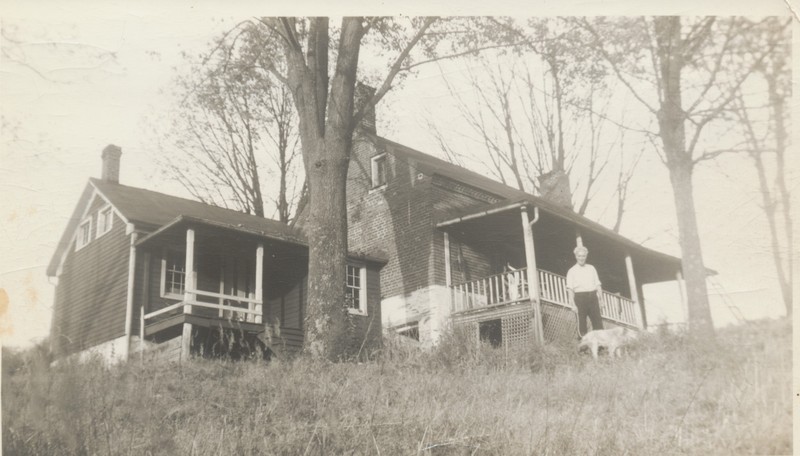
584 289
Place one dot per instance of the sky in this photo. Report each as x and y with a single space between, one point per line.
84 74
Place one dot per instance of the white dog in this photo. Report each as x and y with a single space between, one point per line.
612 339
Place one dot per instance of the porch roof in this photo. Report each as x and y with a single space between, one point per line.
659 263
254 230
455 217
251 229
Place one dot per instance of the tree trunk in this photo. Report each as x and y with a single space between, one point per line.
326 129
783 264
691 255
326 317
679 162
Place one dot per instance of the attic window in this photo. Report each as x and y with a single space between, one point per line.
105 218
84 233
378 170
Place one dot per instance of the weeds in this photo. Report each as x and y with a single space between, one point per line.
672 394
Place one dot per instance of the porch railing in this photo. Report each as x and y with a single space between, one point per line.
493 290
234 308
511 287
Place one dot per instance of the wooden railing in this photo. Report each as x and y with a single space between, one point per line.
553 288
619 308
511 287
494 290
235 308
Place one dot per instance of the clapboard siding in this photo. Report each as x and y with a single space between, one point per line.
91 295
291 339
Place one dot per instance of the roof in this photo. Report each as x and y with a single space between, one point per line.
509 196
150 210
153 209
432 165
456 217
158 211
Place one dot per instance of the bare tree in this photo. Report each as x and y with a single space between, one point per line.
768 146
662 61
235 123
539 115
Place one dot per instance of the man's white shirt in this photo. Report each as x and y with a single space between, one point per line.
582 278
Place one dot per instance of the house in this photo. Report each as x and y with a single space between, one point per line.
137 268
466 250
432 245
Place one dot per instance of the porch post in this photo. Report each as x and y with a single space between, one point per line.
444 309
448 275
188 295
634 289
682 292
532 275
578 238
259 281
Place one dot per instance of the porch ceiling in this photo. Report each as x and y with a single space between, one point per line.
175 231
555 232
226 237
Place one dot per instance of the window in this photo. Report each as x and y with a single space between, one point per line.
356 293
412 332
105 218
379 170
173 274
84 233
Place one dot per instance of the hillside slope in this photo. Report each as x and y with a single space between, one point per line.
670 395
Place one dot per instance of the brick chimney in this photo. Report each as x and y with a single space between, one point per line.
554 187
362 95
111 155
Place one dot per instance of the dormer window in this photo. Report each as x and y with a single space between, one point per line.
105 218
378 170
84 233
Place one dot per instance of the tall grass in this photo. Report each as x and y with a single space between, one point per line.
672 394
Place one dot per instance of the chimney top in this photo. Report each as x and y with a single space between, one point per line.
364 93
111 157
554 187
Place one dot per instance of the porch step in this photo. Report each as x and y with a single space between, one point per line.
164 351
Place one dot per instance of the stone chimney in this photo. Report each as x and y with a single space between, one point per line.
362 95
111 155
554 187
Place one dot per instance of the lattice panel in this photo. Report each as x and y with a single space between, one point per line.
560 323
518 329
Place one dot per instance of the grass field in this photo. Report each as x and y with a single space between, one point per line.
671 395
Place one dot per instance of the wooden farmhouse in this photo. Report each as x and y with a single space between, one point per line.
186 277
432 245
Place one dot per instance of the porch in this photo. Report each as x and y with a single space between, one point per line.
218 286
512 288
505 265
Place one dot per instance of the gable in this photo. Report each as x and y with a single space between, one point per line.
89 203
69 232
